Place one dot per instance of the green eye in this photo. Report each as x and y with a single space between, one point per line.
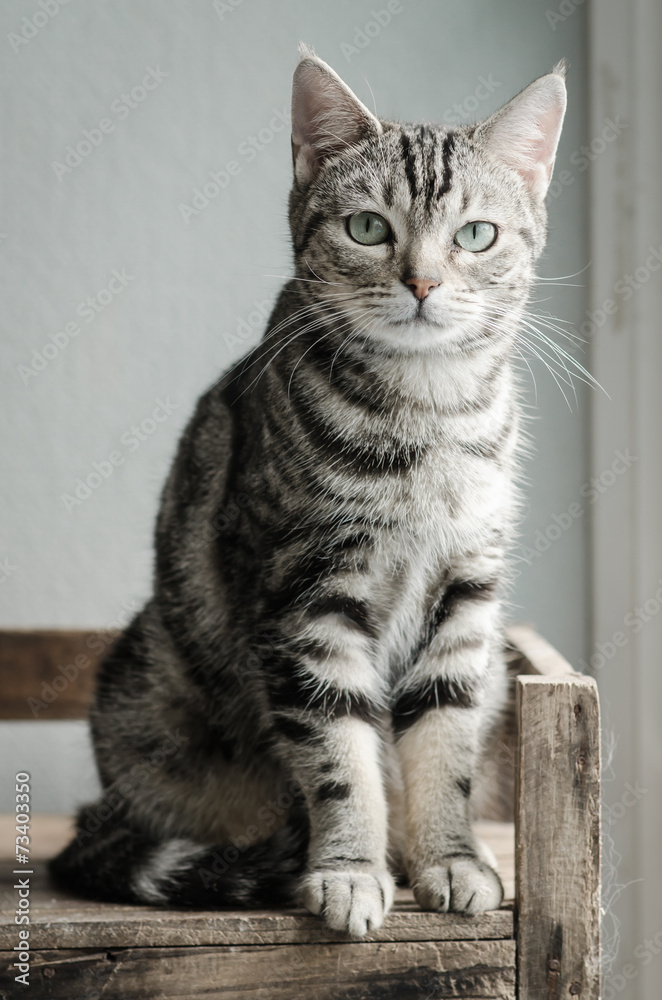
368 228
476 236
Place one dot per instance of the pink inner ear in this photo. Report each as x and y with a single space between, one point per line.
326 117
549 129
324 114
307 102
526 132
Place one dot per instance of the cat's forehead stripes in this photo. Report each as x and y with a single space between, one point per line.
409 162
446 153
426 157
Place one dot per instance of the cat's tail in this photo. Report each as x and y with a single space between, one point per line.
112 860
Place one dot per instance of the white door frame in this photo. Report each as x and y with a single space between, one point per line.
625 76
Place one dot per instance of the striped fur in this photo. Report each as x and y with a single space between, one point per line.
323 643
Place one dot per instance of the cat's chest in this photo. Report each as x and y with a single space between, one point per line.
448 501
451 516
440 474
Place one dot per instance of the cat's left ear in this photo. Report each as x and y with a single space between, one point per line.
525 132
326 116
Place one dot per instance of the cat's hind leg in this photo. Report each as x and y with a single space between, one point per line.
116 860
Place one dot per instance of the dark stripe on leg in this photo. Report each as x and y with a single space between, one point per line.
464 784
439 693
347 860
455 594
354 613
292 729
333 791
290 689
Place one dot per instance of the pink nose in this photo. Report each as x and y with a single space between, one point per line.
421 286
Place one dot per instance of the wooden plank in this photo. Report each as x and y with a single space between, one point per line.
557 858
353 971
58 920
48 673
537 655
93 926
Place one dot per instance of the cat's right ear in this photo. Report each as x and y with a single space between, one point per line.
326 116
525 132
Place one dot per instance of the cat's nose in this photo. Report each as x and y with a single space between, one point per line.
421 286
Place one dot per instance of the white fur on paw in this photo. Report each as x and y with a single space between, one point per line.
463 885
351 901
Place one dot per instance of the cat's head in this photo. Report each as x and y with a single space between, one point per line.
423 237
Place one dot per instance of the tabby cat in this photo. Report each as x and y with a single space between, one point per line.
300 708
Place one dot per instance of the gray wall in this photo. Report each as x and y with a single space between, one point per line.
194 289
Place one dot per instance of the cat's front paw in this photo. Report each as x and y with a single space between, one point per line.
462 885
351 901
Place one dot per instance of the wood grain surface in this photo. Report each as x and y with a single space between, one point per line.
558 838
351 971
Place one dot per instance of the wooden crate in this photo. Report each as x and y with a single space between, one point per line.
542 944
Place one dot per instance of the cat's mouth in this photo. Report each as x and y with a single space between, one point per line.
421 315
418 318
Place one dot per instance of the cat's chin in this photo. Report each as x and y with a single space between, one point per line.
419 320
418 335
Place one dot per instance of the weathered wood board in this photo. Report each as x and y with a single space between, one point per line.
49 673
352 971
82 949
55 913
60 920
537 656
558 838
